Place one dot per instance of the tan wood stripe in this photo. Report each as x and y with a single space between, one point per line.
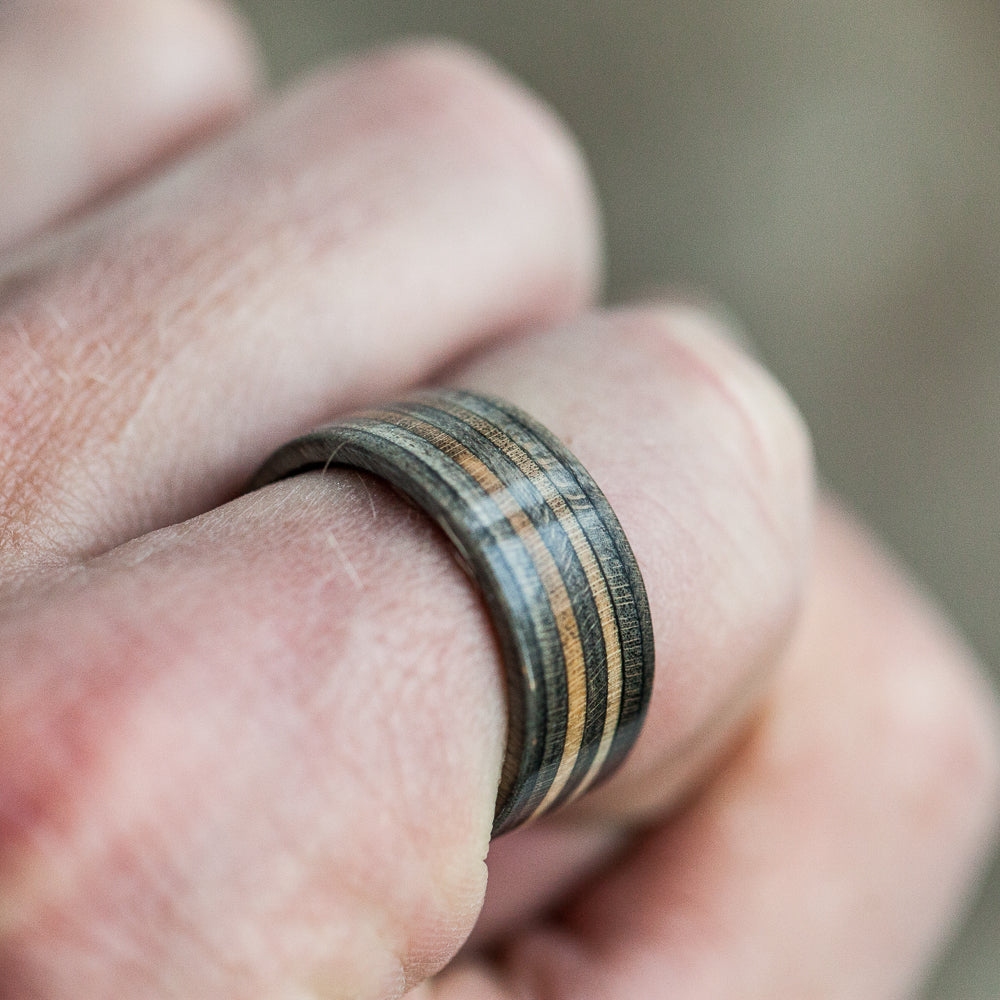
548 572
588 560
469 477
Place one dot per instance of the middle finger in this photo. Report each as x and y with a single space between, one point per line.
380 219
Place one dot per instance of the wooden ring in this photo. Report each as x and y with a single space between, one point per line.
553 565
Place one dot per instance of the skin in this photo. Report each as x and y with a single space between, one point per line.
249 747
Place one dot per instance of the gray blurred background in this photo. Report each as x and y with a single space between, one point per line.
828 169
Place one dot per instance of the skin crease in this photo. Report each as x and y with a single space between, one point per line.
249 749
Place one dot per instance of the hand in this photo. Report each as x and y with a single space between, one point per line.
249 747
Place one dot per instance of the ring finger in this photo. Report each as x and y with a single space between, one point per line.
284 720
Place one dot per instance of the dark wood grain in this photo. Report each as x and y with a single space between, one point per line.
554 567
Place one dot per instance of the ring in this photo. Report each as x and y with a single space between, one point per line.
551 561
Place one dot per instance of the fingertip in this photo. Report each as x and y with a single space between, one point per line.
725 521
767 424
730 452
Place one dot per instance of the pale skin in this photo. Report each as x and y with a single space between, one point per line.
249 747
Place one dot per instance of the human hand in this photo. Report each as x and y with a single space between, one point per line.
250 748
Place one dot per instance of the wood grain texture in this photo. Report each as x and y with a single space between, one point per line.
555 570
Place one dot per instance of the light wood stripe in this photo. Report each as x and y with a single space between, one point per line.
595 579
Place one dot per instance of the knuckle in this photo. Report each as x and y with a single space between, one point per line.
38 892
751 413
453 99
931 717
439 79
940 721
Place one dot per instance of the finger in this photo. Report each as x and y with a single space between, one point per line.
284 721
380 220
718 649
93 93
718 418
834 854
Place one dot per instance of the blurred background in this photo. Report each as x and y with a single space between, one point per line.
830 171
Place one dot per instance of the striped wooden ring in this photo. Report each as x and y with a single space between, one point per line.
556 572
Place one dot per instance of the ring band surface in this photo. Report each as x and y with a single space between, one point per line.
555 570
